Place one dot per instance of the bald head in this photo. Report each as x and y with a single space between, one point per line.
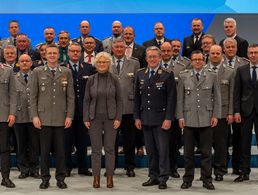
84 28
215 54
166 51
117 28
25 63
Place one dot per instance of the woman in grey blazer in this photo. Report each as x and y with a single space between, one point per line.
102 113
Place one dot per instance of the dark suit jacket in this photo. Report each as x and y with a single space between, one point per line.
79 83
189 46
242 46
98 48
155 99
153 42
114 98
139 53
245 94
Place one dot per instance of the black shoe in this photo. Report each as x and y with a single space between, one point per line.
218 178
7 183
35 175
61 184
130 173
162 185
44 185
242 178
208 185
23 175
235 172
67 173
85 172
151 182
175 174
186 185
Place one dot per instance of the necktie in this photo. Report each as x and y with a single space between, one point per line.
128 51
75 68
198 76
230 63
254 76
159 44
215 68
196 39
25 77
89 58
152 72
118 66
165 65
14 41
53 72
207 58
174 58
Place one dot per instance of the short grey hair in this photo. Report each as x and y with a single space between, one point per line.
102 54
153 48
230 20
229 39
11 47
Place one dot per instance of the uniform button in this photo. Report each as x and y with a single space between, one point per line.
54 96
78 90
77 85
198 106
198 89
148 108
77 79
54 90
54 103
198 94
148 101
119 78
148 87
148 94
54 83
198 100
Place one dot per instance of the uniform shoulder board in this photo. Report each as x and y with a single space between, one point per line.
245 59
211 70
164 69
5 66
141 69
227 66
187 59
184 71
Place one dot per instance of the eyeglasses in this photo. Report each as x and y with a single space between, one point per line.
102 62
197 60
73 51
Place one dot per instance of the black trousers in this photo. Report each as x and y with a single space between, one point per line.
5 149
157 147
76 135
174 144
27 137
246 138
52 136
220 139
236 154
205 146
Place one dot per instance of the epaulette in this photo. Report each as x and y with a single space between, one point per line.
5 66
164 69
184 71
187 59
211 70
141 69
245 59
227 66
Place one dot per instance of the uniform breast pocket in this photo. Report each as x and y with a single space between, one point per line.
43 85
160 86
188 90
4 82
206 90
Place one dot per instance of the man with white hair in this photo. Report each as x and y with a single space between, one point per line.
230 29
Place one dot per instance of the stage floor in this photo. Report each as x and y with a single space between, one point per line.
128 186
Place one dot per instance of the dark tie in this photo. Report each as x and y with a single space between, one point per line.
254 76
215 68
14 41
53 72
196 39
152 74
207 58
159 44
174 58
25 77
165 65
198 76
89 58
230 63
118 66
75 68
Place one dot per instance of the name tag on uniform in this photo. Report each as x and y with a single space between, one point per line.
130 74
159 85
43 78
187 91
85 77
142 82
225 82
64 83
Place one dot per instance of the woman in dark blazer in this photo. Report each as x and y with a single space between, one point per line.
102 112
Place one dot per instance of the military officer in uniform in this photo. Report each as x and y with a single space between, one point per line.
232 60
7 118
198 110
154 111
52 109
26 135
125 69
226 76
77 134
175 67
176 47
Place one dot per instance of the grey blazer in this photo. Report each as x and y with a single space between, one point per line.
114 98
52 98
7 93
126 79
198 101
226 77
23 96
